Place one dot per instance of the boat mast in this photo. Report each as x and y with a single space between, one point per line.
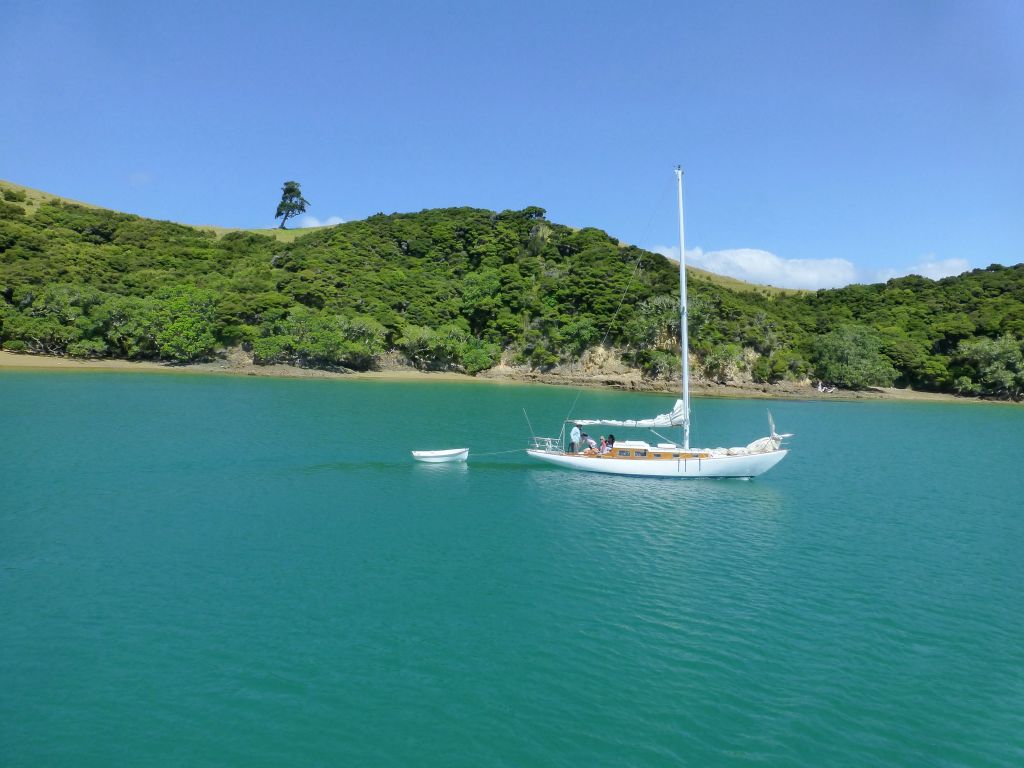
684 331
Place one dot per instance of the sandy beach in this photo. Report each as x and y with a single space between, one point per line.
237 363
230 366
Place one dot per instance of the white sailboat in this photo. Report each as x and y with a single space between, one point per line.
666 459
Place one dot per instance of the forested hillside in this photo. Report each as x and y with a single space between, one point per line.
458 288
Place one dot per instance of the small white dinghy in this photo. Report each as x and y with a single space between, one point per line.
437 457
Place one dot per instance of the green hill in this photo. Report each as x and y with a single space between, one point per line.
459 288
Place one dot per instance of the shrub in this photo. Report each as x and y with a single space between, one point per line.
15 345
658 363
762 370
964 386
10 210
272 349
721 361
542 358
87 348
15 195
769 369
419 345
239 334
479 356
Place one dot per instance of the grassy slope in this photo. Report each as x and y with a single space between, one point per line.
36 197
735 284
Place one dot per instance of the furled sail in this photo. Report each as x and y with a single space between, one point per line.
673 419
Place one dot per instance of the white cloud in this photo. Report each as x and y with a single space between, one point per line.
931 267
313 221
765 268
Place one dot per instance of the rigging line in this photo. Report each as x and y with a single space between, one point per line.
532 434
629 284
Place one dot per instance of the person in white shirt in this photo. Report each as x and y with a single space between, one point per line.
574 439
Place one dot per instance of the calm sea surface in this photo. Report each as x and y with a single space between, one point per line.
246 572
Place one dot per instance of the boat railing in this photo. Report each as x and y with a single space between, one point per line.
547 444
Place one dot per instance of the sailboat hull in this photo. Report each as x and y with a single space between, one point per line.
750 465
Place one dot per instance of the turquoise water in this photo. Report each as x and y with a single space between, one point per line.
236 571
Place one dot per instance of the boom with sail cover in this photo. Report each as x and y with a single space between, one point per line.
674 418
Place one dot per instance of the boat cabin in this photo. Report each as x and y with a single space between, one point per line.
639 449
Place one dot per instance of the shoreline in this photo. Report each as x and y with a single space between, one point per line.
236 365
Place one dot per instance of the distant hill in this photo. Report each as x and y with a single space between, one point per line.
465 288
35 197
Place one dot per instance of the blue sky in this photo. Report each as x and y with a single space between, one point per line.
824 143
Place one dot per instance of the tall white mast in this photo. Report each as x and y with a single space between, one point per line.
684 330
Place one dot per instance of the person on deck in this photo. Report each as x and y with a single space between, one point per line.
574 439
590 445
603 448
611 442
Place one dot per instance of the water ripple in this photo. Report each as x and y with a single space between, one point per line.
202 588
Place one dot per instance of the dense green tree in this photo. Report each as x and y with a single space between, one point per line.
186 324
576 336
45 334
996 366
317 338
129 325
851 356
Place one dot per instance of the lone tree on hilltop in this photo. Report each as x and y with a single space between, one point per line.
292 202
